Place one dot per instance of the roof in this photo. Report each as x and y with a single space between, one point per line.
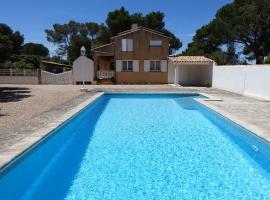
139 28
191 59
101 46
55 63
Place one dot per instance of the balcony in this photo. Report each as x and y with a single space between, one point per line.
105 74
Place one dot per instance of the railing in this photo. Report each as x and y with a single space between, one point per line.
18 72
102 74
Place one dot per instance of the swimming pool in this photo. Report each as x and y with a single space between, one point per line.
143 146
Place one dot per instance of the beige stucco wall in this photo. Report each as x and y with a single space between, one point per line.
19 80
141 77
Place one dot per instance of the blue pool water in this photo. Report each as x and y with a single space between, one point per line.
139 146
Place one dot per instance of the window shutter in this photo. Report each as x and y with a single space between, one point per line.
163 65
124 44
130 45
136 66
118 65
155 43
147 65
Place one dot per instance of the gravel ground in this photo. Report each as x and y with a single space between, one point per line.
19 103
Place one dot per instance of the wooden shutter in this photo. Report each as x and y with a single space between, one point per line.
129 45
136 66
118 65
147 65
163 65
124 44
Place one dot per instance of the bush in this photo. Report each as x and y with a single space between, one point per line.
267 61
23 62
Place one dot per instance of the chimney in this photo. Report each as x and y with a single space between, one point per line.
134 27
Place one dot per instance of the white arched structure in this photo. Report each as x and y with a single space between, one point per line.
83 70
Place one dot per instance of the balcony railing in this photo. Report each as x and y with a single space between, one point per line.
103 74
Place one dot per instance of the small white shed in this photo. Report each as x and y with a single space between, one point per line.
190 70
83 69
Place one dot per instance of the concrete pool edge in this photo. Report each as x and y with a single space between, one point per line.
251 128
23 146
12 154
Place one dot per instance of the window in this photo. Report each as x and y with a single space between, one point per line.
127 66
127 45
155 43
155 66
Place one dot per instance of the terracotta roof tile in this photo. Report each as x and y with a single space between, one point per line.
191 59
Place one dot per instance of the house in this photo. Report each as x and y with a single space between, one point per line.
135 56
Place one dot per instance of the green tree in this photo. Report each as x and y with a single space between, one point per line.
243 22
61 35
10 42
174 43
154 20
23 62
91 29
71 36
118 20
247 22
75 47
35 49
137 18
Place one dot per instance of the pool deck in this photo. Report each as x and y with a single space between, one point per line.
32 114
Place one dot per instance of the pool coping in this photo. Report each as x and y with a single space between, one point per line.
246 125
26 144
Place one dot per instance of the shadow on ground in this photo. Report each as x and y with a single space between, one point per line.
1 114
13 94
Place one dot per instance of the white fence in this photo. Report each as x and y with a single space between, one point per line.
18 72
249 80
19 76
56 79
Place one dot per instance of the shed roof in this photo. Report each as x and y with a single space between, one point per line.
55 63
191 59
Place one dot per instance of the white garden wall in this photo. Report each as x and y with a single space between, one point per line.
56 79
19 80
250 80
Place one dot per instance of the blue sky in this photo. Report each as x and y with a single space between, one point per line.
32 17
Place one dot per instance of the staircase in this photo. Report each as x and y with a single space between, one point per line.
108 81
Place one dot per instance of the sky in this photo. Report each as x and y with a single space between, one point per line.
32 17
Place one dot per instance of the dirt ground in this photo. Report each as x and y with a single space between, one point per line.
19 103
